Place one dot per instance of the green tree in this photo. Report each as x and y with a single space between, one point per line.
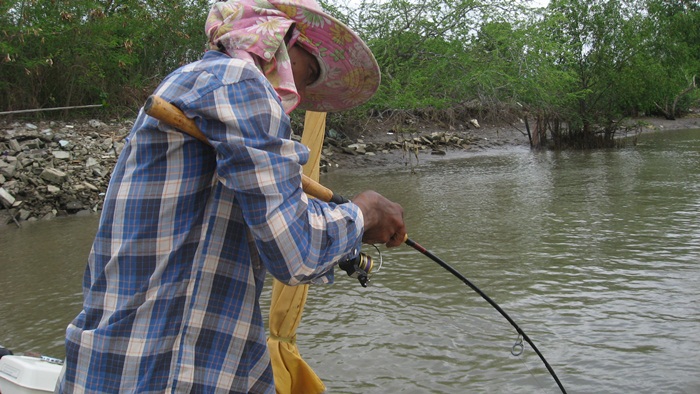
674 55
597 43
576 67
60 53
426 51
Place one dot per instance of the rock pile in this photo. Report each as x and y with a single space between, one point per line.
435 143
56 168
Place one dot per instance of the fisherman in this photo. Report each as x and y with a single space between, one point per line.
188 230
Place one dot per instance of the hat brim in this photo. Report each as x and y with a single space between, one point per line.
349 74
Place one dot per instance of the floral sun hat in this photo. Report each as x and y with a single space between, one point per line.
349 74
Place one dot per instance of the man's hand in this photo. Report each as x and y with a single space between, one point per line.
383 219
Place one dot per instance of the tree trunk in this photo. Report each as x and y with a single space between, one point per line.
670 113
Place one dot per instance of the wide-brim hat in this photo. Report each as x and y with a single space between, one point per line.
349 73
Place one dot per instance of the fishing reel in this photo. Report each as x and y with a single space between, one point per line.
361 267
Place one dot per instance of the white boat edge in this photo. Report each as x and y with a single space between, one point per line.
26 374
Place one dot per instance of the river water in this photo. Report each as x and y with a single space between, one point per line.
595 255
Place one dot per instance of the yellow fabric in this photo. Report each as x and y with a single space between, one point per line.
314 131
292 374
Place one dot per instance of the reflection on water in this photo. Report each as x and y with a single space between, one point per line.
594 254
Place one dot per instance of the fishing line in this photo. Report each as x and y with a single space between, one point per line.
359 268
517 347
522 360
173 116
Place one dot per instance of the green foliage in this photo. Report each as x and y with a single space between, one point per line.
675 52
423 49
595 49
60 53
576 66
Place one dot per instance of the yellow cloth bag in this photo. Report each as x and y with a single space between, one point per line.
292 374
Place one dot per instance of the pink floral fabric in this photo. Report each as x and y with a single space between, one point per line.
254 30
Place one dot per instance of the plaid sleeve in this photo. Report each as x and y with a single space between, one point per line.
298 239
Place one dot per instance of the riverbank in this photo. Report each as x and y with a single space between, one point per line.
428 141
57 168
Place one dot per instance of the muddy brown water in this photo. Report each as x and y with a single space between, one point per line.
596 255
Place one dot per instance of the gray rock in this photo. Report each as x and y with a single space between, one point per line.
475 123
74 206
99 172
32 144
14 146
48 216
53 175
107 144
8 169
118 147
359 148
6 198
24 214
61 155
91 162
90 186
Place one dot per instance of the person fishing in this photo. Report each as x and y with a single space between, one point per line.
188 230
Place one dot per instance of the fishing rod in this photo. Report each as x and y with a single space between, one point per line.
361 266
518 344
172 116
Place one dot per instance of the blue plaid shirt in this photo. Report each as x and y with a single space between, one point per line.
186 236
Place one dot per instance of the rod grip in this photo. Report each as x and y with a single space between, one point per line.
171 115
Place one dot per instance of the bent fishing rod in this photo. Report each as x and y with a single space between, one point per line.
173 116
